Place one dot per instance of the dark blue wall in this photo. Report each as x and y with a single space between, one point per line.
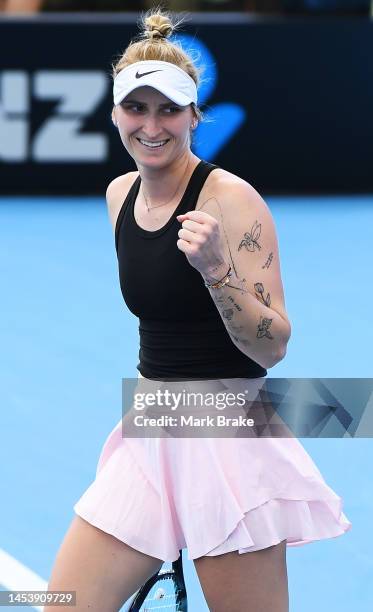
290 102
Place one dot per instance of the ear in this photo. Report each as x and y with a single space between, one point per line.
113 118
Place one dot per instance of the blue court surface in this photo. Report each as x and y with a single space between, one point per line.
67 340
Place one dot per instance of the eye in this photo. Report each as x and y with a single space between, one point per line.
172 109
136 108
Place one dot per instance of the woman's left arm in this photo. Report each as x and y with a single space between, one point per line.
235 228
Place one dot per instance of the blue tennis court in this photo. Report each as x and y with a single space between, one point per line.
68 339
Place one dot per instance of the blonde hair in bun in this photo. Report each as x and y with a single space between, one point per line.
157 26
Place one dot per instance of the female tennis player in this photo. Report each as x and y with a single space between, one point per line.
199 266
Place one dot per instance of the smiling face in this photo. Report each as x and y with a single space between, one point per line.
153 129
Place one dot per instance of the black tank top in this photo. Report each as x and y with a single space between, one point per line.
182 336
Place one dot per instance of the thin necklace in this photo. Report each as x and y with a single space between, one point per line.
149 208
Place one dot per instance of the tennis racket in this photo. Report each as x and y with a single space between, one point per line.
165 590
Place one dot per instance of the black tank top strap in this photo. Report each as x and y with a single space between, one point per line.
195 185
131 195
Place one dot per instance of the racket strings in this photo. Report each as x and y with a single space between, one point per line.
164 591
161 597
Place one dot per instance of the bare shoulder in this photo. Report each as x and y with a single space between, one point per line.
236 204
229 192
116 194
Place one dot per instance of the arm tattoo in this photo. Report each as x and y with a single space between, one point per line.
240 284
227 313
241 340
250 241
259 289
263 328
234 303
269 261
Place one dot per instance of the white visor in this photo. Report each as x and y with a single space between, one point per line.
168 79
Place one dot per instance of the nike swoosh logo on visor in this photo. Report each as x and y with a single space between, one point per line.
138 76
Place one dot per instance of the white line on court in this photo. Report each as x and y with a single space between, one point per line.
15 576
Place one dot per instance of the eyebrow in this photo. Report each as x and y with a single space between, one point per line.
145 104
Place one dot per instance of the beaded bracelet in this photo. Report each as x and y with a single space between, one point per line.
222 282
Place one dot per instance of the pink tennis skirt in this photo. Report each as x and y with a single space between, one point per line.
209 495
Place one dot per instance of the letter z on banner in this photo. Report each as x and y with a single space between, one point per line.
59 138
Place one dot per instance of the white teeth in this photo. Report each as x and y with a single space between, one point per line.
152 144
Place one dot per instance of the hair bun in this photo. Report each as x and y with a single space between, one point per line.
157 26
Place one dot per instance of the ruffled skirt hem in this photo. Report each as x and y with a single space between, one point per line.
261 528
145 495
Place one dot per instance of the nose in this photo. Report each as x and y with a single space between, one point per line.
152 127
